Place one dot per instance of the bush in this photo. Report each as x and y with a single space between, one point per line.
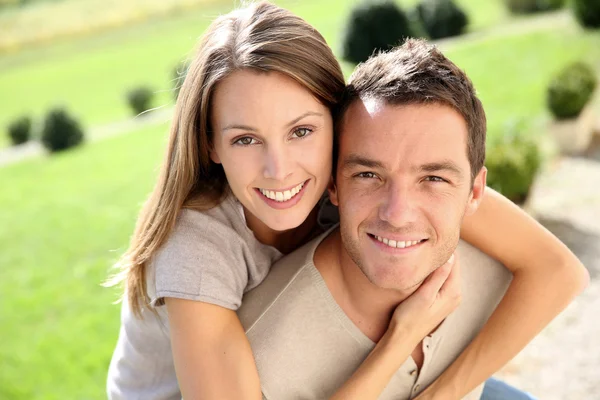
371 27
532 6
140 99
441 18
19 130
178 75
587 12
513 163
61 131
571 90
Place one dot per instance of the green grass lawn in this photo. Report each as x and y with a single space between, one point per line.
67 218
90 75
512 74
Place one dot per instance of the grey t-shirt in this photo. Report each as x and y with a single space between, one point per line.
210 256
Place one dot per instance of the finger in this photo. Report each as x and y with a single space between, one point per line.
451 285
436 279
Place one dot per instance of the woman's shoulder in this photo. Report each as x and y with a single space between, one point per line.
226 218
208 257
214 235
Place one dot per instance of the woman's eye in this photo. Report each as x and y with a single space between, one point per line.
435 179
245 141
301 132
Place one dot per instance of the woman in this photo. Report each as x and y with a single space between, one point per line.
248 160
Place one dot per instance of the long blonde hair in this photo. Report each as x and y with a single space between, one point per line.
260 36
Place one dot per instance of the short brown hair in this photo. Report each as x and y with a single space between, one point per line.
418 73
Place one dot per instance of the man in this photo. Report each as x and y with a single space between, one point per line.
408 168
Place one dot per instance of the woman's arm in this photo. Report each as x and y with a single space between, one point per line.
416 317
213 358
546 278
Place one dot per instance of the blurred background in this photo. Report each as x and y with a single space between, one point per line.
87 89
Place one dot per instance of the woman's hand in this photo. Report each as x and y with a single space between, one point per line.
424 310
413 319
546 277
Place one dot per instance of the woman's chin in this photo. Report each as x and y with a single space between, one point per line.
286 223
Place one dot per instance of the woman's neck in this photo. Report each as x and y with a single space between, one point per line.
288 240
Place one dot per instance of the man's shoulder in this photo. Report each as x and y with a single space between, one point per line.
480 271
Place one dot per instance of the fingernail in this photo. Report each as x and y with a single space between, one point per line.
451 259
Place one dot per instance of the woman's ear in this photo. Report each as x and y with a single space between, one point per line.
214 156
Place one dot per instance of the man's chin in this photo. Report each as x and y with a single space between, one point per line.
391 277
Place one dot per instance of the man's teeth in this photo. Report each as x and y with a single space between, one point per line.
397 244
282 196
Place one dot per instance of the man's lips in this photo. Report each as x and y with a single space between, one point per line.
397 242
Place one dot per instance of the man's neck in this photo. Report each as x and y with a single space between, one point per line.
368 306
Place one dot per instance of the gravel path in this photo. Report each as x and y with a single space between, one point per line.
563 362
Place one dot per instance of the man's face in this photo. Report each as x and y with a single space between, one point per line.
403 186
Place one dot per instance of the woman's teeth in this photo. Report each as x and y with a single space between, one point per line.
397 244
282 196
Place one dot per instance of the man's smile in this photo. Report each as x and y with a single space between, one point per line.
397 243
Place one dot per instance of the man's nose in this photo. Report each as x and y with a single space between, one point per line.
277 163
398 207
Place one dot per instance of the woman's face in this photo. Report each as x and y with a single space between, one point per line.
274 140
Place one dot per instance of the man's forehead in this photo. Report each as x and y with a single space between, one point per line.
372 105
415 133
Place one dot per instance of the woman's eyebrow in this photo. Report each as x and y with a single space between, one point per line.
306 114
252 129
241 127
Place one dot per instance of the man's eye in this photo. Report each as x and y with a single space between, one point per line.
245 141
301 132
366 175
435 179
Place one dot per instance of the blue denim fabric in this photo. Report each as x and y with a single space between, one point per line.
498 390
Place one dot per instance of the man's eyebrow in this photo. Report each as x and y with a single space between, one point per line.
292 122
355 160
445 165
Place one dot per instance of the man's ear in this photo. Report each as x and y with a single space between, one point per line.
332 189
477 192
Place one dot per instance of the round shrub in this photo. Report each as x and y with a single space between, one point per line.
532 6
371 27
140 99
178 76
571 90
19 130
512 164
60 131
587 12
442 18
548 5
